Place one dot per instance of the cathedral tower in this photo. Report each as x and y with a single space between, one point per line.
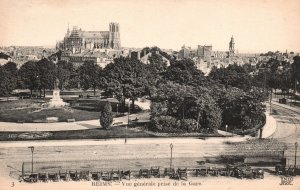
114 36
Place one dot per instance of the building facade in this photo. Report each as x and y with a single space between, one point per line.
79 40
204 52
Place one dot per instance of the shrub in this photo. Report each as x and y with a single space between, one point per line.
189 125
106 116
165 124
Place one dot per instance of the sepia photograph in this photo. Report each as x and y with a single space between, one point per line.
151 95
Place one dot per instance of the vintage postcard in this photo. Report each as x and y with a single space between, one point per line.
162 94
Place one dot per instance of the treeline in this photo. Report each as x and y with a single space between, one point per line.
41 75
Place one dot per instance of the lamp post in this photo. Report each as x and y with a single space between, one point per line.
32 149
117 109
296 146
226 126
171 147
128 122
271 102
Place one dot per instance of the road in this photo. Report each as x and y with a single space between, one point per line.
112 154
288 130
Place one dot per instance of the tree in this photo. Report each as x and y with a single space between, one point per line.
8 78
167 124
47 74
89 74
29 74
125 78
74 80
64 72
154 73
273 64
184 72
193 107
106 116
278 75
233 75
296 70
240 109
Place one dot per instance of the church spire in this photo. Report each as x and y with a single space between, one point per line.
68 31
231 47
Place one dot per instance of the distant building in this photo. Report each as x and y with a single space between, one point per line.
100 57
101 47
4 58
204 52
79 40
185 52
231 52
219 54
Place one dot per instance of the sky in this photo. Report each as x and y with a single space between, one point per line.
256 25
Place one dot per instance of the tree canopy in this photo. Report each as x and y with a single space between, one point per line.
233 75
184 72
125 79
8 78
90 75
29 74
65 70
46 74
193 107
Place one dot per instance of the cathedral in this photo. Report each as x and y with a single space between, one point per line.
78 40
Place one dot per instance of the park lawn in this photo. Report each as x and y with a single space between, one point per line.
113 132
29 115
31 110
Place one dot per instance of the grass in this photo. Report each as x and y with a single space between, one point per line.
28 115
296 104
32 111
113 132
136 130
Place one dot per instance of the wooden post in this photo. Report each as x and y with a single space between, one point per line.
23 170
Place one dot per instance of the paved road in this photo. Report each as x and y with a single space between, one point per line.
116 154
288 130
